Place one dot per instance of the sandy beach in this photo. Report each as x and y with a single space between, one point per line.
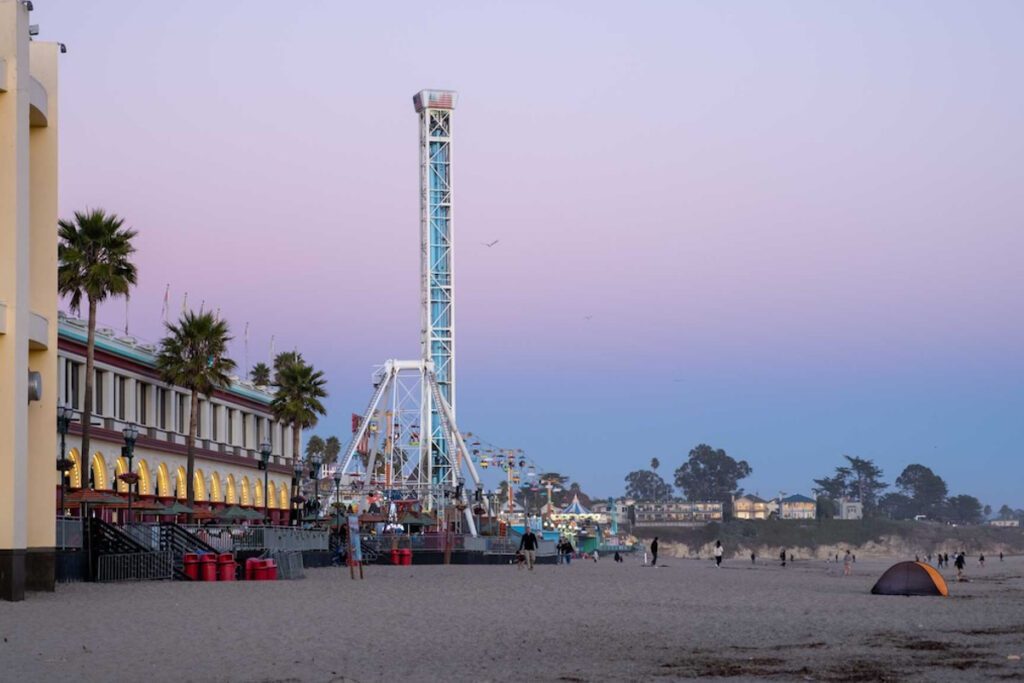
585 622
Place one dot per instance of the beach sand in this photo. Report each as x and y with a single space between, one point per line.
585 622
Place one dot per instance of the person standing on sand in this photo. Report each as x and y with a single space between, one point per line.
1000 557
654 552
718 553
528 546
959 563
753 558
848 564
782 556
981 559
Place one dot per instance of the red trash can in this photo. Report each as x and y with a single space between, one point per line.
396 556
250 568
226 567
208 567
259 569
191 565
271 567
406 556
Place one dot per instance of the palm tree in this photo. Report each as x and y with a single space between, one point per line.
297 399
284 359
315 446
332 449
260 375
194 355
655 464
94 256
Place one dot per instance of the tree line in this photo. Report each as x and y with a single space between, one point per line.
712 474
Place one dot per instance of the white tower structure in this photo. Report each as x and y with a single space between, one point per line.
408 448
437 316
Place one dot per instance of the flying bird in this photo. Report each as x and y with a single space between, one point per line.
587 317
490 244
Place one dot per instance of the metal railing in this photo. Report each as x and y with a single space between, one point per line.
274 538
145 534
69 532
136 566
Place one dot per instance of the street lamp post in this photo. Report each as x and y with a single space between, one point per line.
314 473
131 433
65 415
265 466
337 497
297 498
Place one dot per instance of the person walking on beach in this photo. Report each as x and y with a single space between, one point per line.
718 553
654 552
753 558
782 557
981 559
847 564
959 563
528 546
1000 557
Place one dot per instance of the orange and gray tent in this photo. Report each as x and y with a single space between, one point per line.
910 578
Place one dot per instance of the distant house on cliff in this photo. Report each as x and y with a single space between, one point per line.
797 507
676 513
750 506
850 509
1005 522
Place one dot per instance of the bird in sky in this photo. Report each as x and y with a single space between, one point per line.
490 244
587 317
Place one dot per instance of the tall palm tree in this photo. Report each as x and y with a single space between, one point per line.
94 256
194 355
655 464
332 449
315 446
299 388
260 374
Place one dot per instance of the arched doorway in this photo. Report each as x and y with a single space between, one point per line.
120 467
257 499
163 481
179 483
272 494
246 497
75 473
282 493
231 494
145 479
99 472
199 482
216 493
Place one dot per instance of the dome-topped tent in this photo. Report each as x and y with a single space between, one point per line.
575 507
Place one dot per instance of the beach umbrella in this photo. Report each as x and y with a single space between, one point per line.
175 508
91 497
232 513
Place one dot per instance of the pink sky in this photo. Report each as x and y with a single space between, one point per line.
797 226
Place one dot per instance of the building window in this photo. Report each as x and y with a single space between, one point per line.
141 402
201 421
72 385
160 401
215 423
119 399
98 386
182 406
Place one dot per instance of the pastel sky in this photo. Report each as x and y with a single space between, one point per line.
797 226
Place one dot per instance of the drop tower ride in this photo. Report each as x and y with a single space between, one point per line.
437 298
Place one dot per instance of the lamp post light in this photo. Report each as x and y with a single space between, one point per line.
131 433
337 496
265 466
297 498
65 415
315 462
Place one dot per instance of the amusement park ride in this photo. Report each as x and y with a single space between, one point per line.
407 440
